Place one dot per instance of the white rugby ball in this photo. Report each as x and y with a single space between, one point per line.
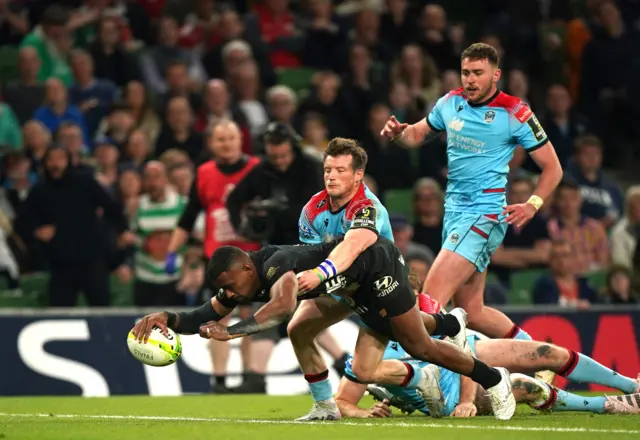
159 351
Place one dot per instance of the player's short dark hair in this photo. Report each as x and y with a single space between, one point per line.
587 140
222 259
348 147
481 51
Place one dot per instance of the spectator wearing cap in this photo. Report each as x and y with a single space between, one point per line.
25 94
57 109
288 177
602 198
428 200
525 247
586 236
91 95
403 235
62 211
52 41
10 135
118 124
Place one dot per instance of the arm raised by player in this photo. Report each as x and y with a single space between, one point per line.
282 304
349 395
409 136
184 322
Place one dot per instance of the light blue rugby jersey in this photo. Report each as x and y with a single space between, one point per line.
318 224
481 140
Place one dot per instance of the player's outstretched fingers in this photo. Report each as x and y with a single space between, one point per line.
380 409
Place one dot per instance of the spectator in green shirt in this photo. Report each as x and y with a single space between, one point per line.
52 41
10 135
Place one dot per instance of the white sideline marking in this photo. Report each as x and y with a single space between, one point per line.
342 422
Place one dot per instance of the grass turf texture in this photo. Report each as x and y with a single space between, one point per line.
269 417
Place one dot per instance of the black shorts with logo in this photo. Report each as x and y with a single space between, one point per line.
384 291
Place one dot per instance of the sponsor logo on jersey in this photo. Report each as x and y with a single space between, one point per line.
271 272
454 238
305 231
321 203
456 124
385 286
536 128
489 116
460 107
335 283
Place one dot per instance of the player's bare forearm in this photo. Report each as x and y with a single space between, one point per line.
348 396
282 304
468 390
545 157
416 134
179 237
355 242
349 410
189 322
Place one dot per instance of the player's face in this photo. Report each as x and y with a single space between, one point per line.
240 282
479 79
339 176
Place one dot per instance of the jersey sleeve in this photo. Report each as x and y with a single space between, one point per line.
367 218
307 233
435 120
527 130
277 265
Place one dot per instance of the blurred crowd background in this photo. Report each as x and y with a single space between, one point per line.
92 91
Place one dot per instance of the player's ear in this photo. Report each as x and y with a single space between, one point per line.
360 175
496 75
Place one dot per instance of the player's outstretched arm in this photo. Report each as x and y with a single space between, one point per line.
349 395
282 304
409 136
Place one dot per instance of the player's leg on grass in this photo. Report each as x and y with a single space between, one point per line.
410 332
454 276
532 356
312 317
327 342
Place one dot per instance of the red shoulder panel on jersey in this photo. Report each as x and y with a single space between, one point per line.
357 203
508 102
456 92
317 204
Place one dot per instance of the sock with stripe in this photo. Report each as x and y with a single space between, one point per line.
319 386
446 325
517 333
561 400
581 368
413 377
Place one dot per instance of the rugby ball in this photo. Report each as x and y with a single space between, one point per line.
159 350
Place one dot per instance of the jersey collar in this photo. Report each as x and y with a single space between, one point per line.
486 101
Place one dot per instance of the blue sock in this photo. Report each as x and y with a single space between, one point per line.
581 368
522 335
319 386
414 376
573 402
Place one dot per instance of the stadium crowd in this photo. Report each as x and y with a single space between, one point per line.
109 107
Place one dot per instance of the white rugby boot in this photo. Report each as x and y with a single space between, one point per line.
461 338
627 404
429 389
502 399
322 410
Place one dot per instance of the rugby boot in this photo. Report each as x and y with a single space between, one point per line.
627 404
322 410
380 393
546 376
429 389
461 338
501 396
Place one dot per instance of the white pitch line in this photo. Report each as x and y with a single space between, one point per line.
342 422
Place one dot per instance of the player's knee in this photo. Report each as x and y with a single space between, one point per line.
363 374
299 333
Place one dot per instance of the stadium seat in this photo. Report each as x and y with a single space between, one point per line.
398 201
8 63
299 79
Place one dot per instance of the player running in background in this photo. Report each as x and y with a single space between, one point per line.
483 126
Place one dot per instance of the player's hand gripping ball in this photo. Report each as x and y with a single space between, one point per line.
161 349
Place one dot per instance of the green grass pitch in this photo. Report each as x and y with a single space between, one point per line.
210 417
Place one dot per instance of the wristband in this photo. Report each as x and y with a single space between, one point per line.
536 201
319 273
397 137
328 268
